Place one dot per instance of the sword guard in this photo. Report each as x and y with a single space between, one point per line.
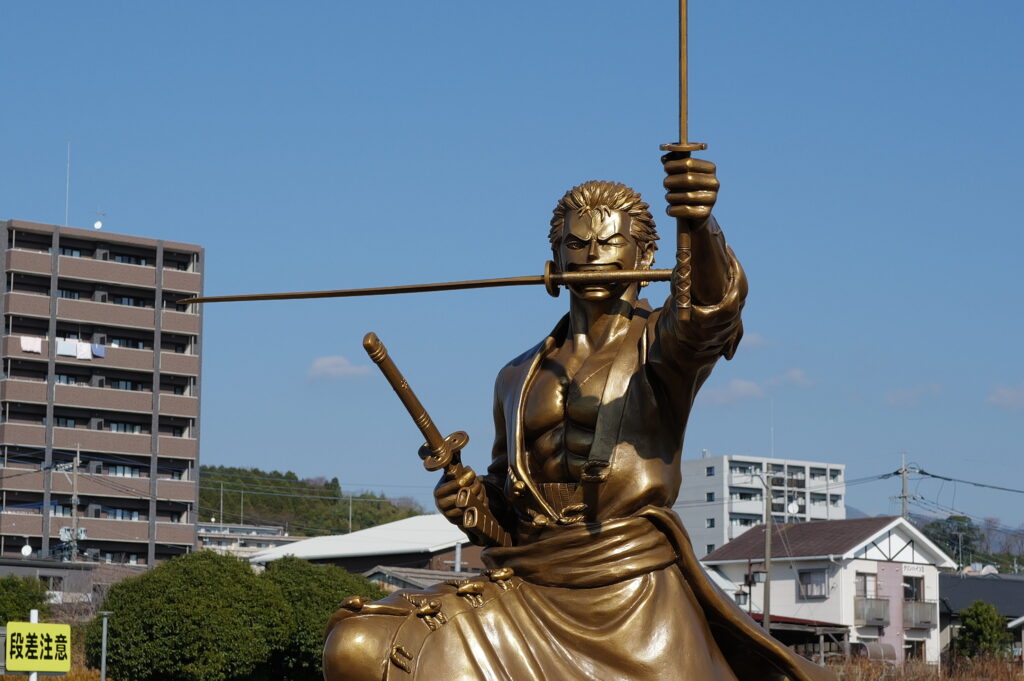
453 444
549 279
684 146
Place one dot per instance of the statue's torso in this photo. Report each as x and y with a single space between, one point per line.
561 411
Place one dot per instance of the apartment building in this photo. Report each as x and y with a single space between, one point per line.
724 496
100 367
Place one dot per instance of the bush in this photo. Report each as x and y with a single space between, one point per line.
313 593
982 632
200 617
18 595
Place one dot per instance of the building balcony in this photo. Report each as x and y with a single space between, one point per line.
12 348
920 614
870 612
179 405
181 322
101 441
178 447
798 483
25 434
139 401
106 313
28 304
33 262
31 392
88 269
178 363
175 280
177 490
747 506
21 524
124 358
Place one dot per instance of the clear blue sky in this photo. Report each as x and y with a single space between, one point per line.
869 154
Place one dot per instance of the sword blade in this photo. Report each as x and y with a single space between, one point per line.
561 279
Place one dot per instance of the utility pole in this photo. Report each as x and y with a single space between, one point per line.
241 509
766 619
74 503
221 516
904 496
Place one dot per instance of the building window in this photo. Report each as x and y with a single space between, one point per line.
127 343
122 427
709 522
130 301
709 471
124 471
709 496
129 259
60 510
708 548
124 384
813 584
865 585
65 379
122 514
176 475
64 422
73 252
69 294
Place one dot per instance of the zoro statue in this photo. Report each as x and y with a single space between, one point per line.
593 577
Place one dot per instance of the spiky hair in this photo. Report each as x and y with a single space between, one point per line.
602 198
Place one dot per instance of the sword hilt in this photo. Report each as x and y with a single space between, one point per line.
681 283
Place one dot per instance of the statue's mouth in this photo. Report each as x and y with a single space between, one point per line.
609 267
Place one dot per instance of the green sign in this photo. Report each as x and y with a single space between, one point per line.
38 647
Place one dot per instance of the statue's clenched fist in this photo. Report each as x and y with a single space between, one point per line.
447 491
692 186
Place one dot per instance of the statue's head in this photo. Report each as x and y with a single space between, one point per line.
602 226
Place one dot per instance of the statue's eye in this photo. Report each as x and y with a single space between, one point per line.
617 240
574 244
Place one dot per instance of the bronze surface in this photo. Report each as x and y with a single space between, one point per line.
550 279
597 580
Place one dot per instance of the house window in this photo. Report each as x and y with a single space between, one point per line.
913 588
709 496
813 584
709 522
866 585
709 471
708 548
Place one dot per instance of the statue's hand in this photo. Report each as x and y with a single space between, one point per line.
692 186
447 491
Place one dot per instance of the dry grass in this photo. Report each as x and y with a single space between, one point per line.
78 673
966 670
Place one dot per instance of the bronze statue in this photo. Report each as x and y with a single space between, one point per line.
597 579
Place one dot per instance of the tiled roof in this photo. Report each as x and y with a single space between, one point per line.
794 540
1006 592
418 534
417 577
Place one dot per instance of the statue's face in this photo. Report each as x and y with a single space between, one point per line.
593 242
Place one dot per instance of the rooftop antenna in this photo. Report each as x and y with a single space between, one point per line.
99 219
67 187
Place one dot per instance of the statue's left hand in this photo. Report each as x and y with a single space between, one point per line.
692 186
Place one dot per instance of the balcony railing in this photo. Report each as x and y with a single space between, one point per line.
870 612
920 614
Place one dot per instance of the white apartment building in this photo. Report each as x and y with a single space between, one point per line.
724 496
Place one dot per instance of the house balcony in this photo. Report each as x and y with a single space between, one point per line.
870 612
920 614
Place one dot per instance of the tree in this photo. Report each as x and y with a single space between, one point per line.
957 535
18 595
982 631
199 617
313 593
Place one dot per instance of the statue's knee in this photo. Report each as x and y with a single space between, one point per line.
357 649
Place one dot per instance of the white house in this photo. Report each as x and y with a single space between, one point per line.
877 576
